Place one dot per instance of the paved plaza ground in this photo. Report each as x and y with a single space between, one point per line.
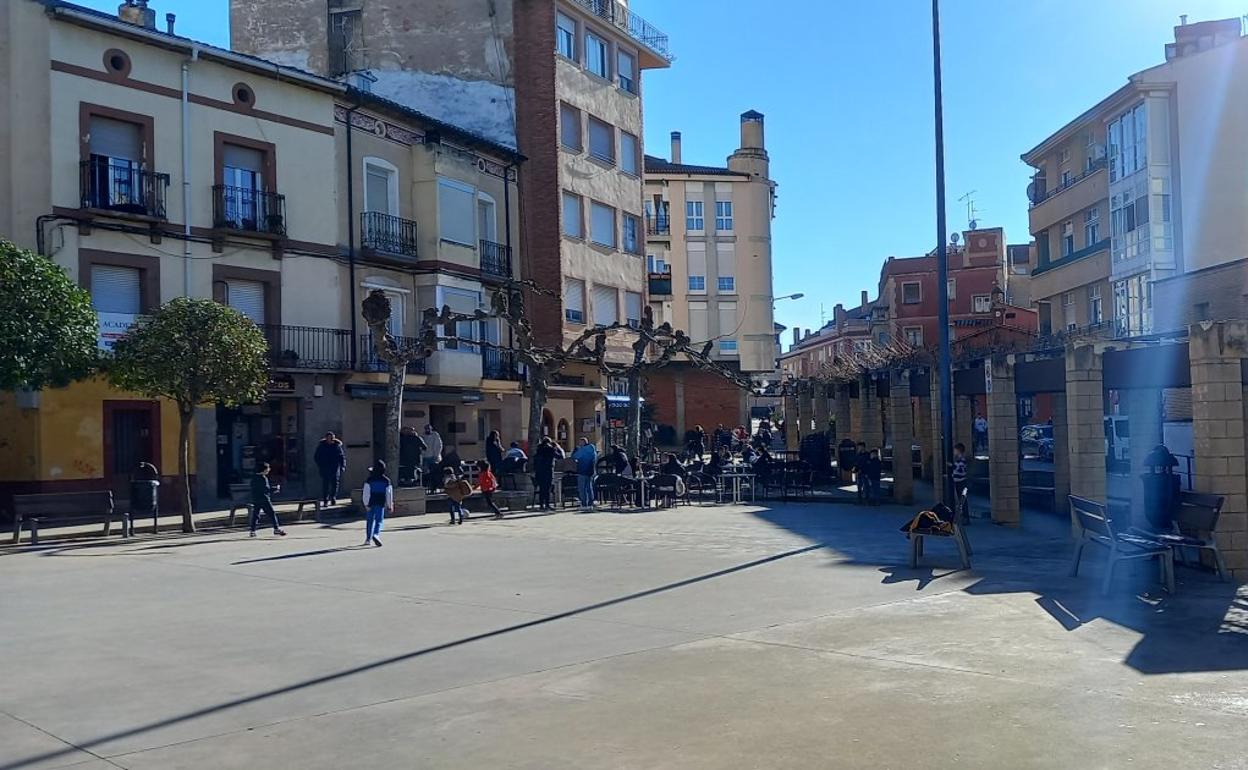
768 636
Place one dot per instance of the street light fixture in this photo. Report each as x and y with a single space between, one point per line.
798 295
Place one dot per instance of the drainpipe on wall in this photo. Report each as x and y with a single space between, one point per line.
351 235
186 171
515 263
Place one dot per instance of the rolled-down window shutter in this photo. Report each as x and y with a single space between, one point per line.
116 139
574 295
116 289
235 156
247 297
605 310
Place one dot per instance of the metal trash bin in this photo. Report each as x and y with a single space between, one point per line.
144 500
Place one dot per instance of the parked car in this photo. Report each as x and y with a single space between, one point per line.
1036 441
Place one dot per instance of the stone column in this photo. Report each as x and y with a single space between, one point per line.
805 408
791 419
923 431
1219 411
940 470
1003 441
855 413
844 427
902 423
1144 414
963 422
821 409
1085 419
872 433
1061 454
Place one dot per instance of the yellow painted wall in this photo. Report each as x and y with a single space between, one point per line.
19 440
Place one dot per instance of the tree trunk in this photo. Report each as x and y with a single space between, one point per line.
394 415
634 414
185 416
538 385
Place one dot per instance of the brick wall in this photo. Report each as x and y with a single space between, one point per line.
708 399
537 136
1213 294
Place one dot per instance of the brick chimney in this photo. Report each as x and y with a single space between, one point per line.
676 147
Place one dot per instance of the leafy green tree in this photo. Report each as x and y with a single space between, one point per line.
47 327
193 352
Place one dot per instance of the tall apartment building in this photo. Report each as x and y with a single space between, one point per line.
1143 188
285 195
559 80
708 253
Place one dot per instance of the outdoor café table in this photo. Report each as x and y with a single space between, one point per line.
736 476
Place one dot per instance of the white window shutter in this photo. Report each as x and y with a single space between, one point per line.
247 297
606 311
116 289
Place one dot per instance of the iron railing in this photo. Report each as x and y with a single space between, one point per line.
660 284
495 259
1040 196
369 361
387 233
123 186
631 24
499 365
308 347
658 224
245 208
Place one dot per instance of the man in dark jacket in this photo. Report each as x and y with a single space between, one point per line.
262 500
331 461
544 470
411 451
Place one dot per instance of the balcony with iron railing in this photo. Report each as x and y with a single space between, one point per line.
255 212
369 361
641 31
385 234
308 347
122 187
500 365
495 260
658 224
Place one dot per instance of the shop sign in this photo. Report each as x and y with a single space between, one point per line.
112 327
281 383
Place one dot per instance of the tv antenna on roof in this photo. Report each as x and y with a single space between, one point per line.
972 215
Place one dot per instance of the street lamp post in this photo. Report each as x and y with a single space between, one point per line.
944 368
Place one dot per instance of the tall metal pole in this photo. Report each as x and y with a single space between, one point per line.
944 370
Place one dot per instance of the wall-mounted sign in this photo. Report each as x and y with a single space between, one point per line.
112 327
281 383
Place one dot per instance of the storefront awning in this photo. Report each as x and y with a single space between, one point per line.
422 395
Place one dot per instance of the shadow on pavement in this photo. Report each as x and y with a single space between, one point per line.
389 661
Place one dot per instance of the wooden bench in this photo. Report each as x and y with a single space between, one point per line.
956 533
1195 521
65 508
1095 527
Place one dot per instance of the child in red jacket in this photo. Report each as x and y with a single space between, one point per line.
487 484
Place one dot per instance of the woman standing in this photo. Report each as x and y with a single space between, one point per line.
378 497
494 450
544 470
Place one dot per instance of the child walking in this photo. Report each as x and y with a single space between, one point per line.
455 492
378 497
487 483
262 500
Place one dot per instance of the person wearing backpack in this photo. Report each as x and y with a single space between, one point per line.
378 495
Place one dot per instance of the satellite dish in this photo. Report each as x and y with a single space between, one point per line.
974 224
1031 192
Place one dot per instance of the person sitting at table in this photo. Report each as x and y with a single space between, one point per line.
719 462
514 458
763 465
748 455
674 467
618 459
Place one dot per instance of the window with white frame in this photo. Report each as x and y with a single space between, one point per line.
632 234
565 36
602 224
601 141
911 292
1068 310
117 289
629 154
381 187
574 300
1063 155
699 327
1128 141
697 267
982 303
465 302
1092 226
726 267
694 219
913 335
726 284
596 55
1129 217
1068 178
573 214
569 126
606 305
487 218
457 211
728 346
727 312
1068 238
632 308
656 264
723 216
952 287
626 70
1096 308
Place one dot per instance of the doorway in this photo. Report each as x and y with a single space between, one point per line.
131 436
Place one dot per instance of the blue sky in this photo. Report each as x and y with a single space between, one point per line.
847 91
